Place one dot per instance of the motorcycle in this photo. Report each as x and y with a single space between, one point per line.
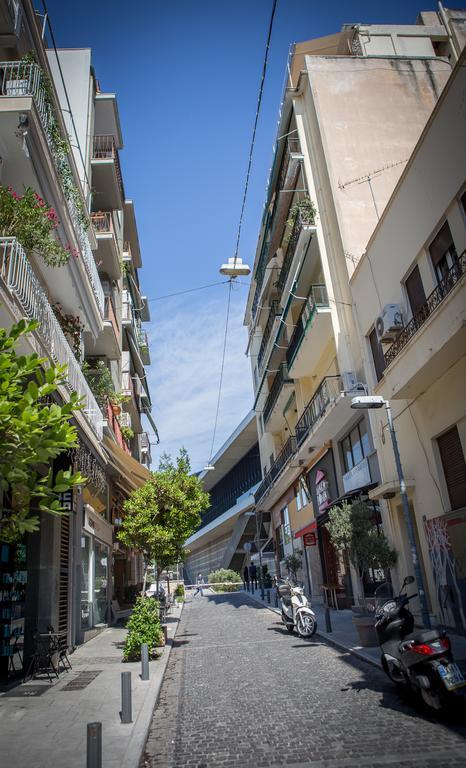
297 613
420 660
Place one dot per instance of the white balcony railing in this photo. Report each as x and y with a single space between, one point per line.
20 279
19 78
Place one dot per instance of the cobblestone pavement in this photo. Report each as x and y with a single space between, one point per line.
240 692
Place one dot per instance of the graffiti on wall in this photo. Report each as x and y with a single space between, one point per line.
450 583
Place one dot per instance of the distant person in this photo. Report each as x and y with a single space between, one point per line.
253 575
246 577
199 583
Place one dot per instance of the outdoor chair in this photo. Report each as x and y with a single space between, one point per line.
120 613
44 658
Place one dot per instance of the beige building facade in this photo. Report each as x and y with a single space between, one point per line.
412 276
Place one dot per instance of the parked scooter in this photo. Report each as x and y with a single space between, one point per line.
296 609
422 660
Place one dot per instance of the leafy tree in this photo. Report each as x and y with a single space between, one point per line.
33 432
351 528
293 564
164 512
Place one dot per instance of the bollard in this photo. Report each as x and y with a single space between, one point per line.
328 623
144 662
252 587
268 596
94 745
126 713
165 632
276 599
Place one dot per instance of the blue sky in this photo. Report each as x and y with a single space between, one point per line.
186 73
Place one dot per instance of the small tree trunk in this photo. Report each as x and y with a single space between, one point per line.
144 581
168 584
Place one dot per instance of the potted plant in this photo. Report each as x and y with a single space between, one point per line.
73 328
351 528
127 433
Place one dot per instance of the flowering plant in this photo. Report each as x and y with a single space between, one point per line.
72 326
32 221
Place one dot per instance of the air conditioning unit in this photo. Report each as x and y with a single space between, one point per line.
351 382
389 323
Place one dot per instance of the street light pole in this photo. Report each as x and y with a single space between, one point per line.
259 549
368 402
408 520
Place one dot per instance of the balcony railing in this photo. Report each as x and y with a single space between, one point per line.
328 391
280 379
293 148
274 311
21 79
143 340
317 298
288 450
104 149
439 293
20 279
127 385
300 221
102 222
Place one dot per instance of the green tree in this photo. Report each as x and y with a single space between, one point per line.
33 431
293 564
164 512
351 528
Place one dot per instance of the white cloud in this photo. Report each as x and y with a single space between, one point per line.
186 341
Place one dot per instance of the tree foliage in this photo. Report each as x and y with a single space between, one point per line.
164 512
227 580
351 528
143 627
293 564
33 431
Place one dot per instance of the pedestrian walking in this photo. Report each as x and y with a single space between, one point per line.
253 575
246 577
199 583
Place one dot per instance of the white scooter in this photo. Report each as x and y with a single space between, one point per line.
296 610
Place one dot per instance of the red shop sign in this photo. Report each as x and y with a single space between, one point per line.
309 539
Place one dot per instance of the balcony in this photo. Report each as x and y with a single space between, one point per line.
278 395
292 157
273 314
432 341
108 254
20 280
107 343
23 92
287 452
106 173
114 424
303 229
143 344
312 333
327 412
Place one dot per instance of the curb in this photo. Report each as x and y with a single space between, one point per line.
137 741
324 636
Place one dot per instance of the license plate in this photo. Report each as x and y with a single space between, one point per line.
452 676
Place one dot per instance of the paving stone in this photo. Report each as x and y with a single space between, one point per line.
241 692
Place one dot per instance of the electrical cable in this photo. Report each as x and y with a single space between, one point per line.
256 119
188 290
221 372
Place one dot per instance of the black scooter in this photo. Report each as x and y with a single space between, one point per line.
421 660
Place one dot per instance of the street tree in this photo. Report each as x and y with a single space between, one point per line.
163 513
34 430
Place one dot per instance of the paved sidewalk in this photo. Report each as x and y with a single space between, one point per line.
49 729
344 635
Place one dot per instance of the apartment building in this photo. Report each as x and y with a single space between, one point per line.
230 522
410 300
353 108
60 135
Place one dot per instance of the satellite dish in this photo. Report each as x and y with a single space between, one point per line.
235 268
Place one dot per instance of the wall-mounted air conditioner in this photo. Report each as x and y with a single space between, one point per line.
389 323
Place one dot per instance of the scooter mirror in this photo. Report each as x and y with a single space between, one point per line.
409 580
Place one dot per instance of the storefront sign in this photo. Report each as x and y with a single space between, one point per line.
97 526
309 539
358 477
322 491
66 500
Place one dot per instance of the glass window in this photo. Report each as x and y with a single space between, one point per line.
86 621
347 454
356 445
365 442
443 252
415 291
100 583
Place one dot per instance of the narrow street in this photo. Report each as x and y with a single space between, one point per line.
240 691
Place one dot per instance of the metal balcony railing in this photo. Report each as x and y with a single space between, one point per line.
317 298
18 78
21 281
280 379
300 221
440 292
274 311
288 450
104 148
328 391
124 419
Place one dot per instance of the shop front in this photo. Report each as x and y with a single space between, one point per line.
446 539
96 575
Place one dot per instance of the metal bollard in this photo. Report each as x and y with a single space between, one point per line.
126 708
268 596
94 745
165 632
276 599
328 623
144 662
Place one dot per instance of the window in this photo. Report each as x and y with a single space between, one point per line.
377 354
302 495
355 446
285 534
454 467
443 252
415 291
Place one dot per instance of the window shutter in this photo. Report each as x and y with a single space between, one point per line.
454 467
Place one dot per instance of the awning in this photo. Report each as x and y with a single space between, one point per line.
352 494
308 529
130 472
